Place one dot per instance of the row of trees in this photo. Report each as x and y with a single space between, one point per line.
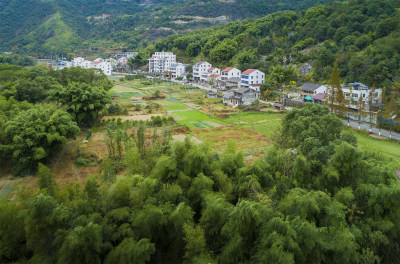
378 108
40 109
314 197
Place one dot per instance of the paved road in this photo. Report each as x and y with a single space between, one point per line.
374 130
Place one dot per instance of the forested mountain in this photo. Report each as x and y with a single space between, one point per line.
64 26
362 34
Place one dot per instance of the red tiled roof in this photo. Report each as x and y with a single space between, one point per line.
319 96
255 85
200 62
246 72
212 68
228 69
97 62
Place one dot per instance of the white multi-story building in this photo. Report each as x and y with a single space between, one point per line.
177 70
104 66
200 70
252 78
127 55
358 90
161 61
214 70
77 61
229 73
86 64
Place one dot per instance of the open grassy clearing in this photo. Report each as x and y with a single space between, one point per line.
176 107
264 123
195 119
387 147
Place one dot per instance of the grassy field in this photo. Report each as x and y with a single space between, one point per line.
195 119
387 147
176 107
262 122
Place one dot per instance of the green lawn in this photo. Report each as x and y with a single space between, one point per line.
176 107
388 147
194 119
264 123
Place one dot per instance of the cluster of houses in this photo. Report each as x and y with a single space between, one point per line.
107 66
237 87
318 93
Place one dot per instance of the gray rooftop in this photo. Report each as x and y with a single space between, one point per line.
310 87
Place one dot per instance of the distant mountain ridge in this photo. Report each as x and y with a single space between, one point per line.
61 26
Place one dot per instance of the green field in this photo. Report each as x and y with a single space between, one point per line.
176 107
264 123
194 119
387 147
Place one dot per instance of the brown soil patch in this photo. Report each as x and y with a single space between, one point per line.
244 139
378 137
182 138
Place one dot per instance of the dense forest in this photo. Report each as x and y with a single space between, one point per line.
41 108
362 34
313 198
63 26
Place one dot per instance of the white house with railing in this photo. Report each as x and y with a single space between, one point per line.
252 78
160 62
200 71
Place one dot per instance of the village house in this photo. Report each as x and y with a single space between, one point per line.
356 90
308 90
200 71
127 55
177 70
230 78
104 66
160 62
211 95
240 96
252 78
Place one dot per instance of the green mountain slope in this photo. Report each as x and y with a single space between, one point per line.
363 34
39 25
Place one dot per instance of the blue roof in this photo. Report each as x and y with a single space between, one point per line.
355 83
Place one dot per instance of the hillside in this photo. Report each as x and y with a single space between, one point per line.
62 26
363 35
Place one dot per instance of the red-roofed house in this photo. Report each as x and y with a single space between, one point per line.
253 78
230 78
214 70
230 72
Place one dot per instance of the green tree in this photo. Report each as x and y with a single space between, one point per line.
131 251
83 101
36 134
46 179
82 245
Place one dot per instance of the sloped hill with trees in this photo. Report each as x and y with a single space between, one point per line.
362 34
61 26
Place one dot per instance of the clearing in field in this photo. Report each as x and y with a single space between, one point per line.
262 122
176 107
387 147
249 141
194 119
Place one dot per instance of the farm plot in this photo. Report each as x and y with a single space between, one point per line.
264 123
194 119
245 140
